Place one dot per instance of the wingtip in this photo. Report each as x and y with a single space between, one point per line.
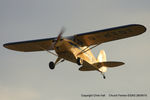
8 46
5 45
144 28
122 63
141 27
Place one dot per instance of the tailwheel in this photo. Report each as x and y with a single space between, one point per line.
51 65
104 77
79 61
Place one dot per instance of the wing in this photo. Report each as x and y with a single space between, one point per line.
32 45
106 35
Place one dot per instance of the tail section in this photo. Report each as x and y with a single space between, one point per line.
102 63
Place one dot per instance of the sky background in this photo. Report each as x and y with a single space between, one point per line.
26 76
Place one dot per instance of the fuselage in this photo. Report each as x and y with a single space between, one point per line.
69 50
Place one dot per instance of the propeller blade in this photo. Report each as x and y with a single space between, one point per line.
60 34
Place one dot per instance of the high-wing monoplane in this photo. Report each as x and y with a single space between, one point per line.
77 48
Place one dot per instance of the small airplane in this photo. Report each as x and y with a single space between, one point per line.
77 48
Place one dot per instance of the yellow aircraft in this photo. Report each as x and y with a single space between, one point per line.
77 48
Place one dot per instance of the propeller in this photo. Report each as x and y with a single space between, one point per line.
60 35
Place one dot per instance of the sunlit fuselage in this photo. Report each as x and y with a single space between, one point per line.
69 50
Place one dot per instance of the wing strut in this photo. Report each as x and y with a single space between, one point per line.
48 51
84 50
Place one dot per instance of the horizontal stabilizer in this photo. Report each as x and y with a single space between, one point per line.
109 64
85 68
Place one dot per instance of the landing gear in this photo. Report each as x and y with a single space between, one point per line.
51 65
104 77
79 61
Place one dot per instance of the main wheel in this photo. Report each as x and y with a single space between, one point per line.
51 65
79 61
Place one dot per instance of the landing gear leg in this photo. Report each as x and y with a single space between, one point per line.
57 60
52 64
60 61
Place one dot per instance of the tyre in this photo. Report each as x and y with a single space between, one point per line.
51 65
79 61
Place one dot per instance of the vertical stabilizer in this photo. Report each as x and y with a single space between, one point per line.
102 58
